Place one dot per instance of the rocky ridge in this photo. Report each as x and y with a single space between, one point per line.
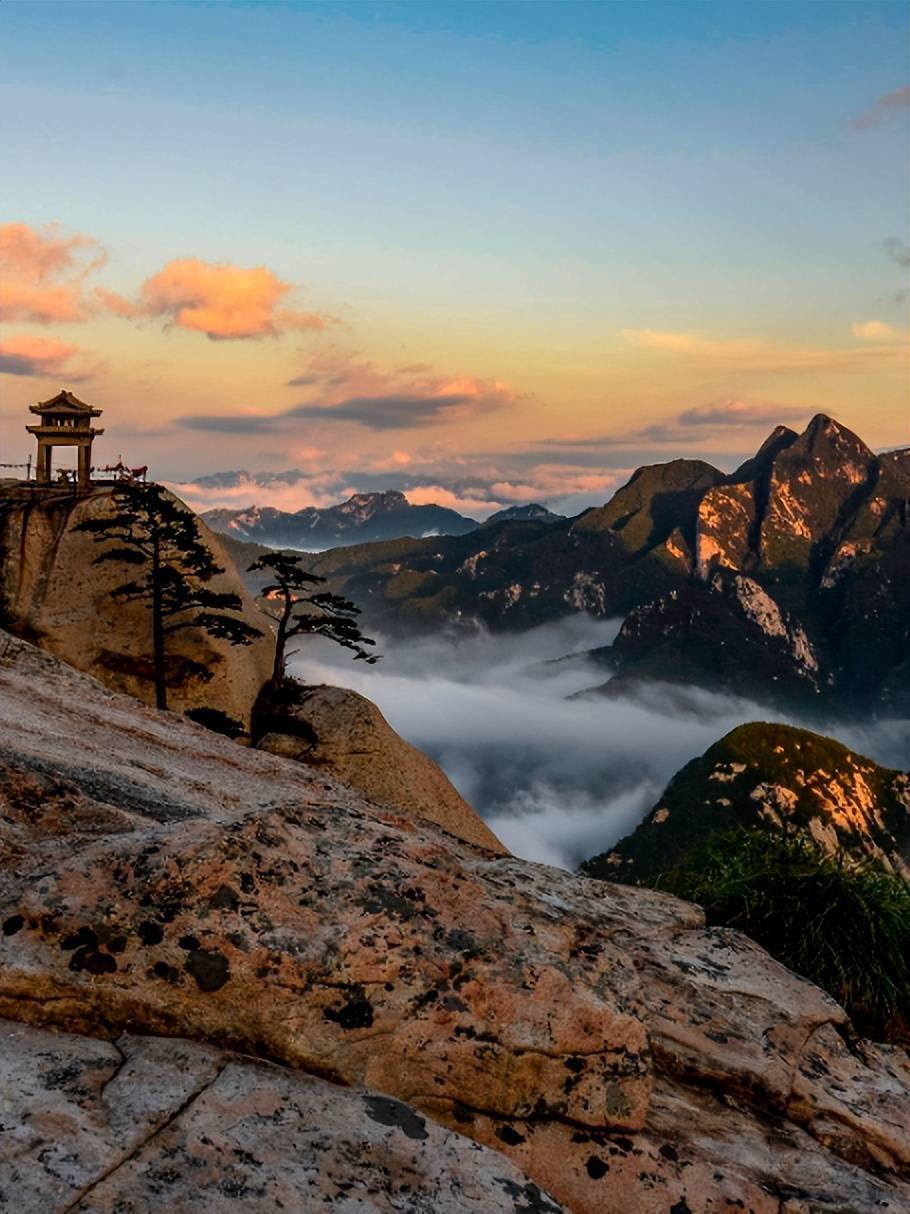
775 777
157 879
344 733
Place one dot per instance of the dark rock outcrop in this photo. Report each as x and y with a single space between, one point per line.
797 564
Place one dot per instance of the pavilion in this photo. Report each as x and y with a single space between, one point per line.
66 421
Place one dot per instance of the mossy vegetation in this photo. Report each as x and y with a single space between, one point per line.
842 924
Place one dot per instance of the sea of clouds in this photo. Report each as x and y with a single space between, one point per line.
558 778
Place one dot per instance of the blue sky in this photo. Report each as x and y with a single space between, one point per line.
495 190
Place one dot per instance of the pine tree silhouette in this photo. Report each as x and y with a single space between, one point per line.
305 610
151 530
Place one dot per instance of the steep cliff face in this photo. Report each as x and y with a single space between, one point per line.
659 499
53 593
725 633
156 878
817 484
779 778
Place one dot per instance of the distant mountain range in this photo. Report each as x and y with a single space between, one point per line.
363 518
786 581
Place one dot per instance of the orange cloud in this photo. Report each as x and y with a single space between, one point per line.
223 301
27 355
42 273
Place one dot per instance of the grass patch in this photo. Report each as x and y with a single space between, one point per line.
844 925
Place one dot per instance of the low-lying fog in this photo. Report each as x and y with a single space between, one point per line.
558 779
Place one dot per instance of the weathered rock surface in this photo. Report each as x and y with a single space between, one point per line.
156 878
816 484
780 778
140 1124
339 731
53 594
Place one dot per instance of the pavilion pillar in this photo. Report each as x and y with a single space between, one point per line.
85 465
43 463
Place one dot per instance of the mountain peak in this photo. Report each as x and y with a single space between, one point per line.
532 512
779 438
365 505
824 433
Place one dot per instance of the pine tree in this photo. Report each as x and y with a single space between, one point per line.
151 530
306 611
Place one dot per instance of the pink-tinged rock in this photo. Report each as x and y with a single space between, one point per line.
726 515
866 1123
722 1009
51 590
148 1124
335 730
299 921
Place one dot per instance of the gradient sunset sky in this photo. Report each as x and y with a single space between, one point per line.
484 252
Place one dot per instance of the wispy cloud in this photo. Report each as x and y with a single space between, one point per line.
898 250
886 108
733 412
445 402
753 354
43 273
226 302
232 423
474 485
694 426
876 330
345 390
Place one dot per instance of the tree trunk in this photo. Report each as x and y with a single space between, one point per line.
158 627
281 641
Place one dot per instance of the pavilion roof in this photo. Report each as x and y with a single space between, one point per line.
65 402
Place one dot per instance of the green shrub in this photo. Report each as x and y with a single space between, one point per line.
842 924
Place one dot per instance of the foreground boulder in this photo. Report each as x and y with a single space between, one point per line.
776 777
156 879
111 1127
345 734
